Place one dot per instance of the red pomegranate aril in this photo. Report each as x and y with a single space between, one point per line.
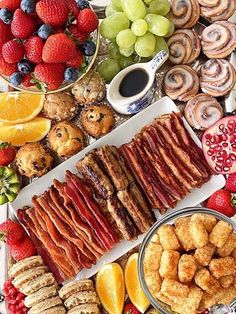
213 158
217 148
218 168
12 301
224 137
225 131
226 169
25 310
232 157
231 124
225 144
20 296
208 143
210 152
208 136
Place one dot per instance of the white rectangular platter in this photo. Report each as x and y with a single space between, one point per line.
122 134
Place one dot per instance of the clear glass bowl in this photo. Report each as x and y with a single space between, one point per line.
170 219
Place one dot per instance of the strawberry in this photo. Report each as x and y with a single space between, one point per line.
58 48
23 249
87 21
130 309
7 68
231 183
77 35
5 33
77 61
23 25
10 4
72 6
34 49
52 74
26 82
52 12
11 232
13 51
7 154
221 201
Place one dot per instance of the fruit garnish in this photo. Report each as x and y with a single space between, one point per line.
231 183
133 285
23 249
24 66
83 4
9 185
223 202
6 68
28 6
5 33
11 232
6 16
71 74
14 298
34 49
31 131
89 48
16 78
73 7
87 21
52 12
77 61
23 25
45 31
110 287
130 309
16 107
49 75
77 35
219 145
7 154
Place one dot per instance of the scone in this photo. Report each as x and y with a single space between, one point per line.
40 295
45 305
32 160
97 120
82 298
75 286
66 139
60 106
25 264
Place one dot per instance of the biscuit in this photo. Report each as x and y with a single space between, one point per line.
85 309
75 286
55 310
25 264
29 275
45 305
81 298
40 295
45 280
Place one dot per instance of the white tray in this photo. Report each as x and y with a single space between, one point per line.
122 134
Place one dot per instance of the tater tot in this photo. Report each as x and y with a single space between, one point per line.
233 254
183 233
182 221
186 268
207 301
153 281
152 257
223 266
220 233
160 296
206 281
156 239
204 255
168 238
169 264
190 304
208 221
174 289
226 281
226 296
198 233
228 247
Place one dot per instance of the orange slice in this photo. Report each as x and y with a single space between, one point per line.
110 287
20 134
19 107
133 286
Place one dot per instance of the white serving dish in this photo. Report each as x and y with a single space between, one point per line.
122 134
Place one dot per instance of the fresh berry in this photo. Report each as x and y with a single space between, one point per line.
52 12
15 299
10 4
5 33
83 4
16 78
221 201
24 66
73 7
6 16
27 6
23 25
77 35
12 51
34 49
130 309
77 61
45 31
89 48
52 74
231 183
7 68
26 82
71 75
87 21
23 249
11 232
59 48
7 154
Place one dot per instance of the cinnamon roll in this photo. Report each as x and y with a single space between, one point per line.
217 10
217 77
184 46
202 111
219 39
181 82
184 13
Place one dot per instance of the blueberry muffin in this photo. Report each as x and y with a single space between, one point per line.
66 139
60 106
32 160
97 120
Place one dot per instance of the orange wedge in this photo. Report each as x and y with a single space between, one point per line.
20 134
110 287
19 107
133 285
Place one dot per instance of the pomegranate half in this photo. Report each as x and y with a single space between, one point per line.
219 145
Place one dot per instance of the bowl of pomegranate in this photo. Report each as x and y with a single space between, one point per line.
46 45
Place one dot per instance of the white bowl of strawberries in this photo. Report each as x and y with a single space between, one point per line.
46 45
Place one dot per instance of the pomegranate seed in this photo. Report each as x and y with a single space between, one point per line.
208 136
226 169
223 153
225 131
231 124
222 127
232 157
217 148
12 301
208 143
225 144
11 307
228 162
21 304
25 310
210 152
224 137
213 158
218 168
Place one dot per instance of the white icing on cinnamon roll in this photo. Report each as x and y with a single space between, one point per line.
184 13
219 39
181 82
217 10
202 111
184 46
217 77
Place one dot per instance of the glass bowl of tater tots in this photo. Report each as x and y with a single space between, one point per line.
187 261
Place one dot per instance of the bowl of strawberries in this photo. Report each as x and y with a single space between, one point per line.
46 45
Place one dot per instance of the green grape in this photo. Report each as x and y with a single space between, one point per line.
145 45
125 62
160 45
157 24
110 10
161 7
117 5
134 9
125 38
127 52
108 69
171 29
113 50
139 27
113 24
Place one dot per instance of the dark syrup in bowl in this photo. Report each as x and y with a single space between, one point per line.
133 83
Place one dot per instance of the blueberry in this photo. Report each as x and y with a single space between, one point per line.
6 16
16 78
82 4
89 48
24 67
28 6
71 74
45 31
